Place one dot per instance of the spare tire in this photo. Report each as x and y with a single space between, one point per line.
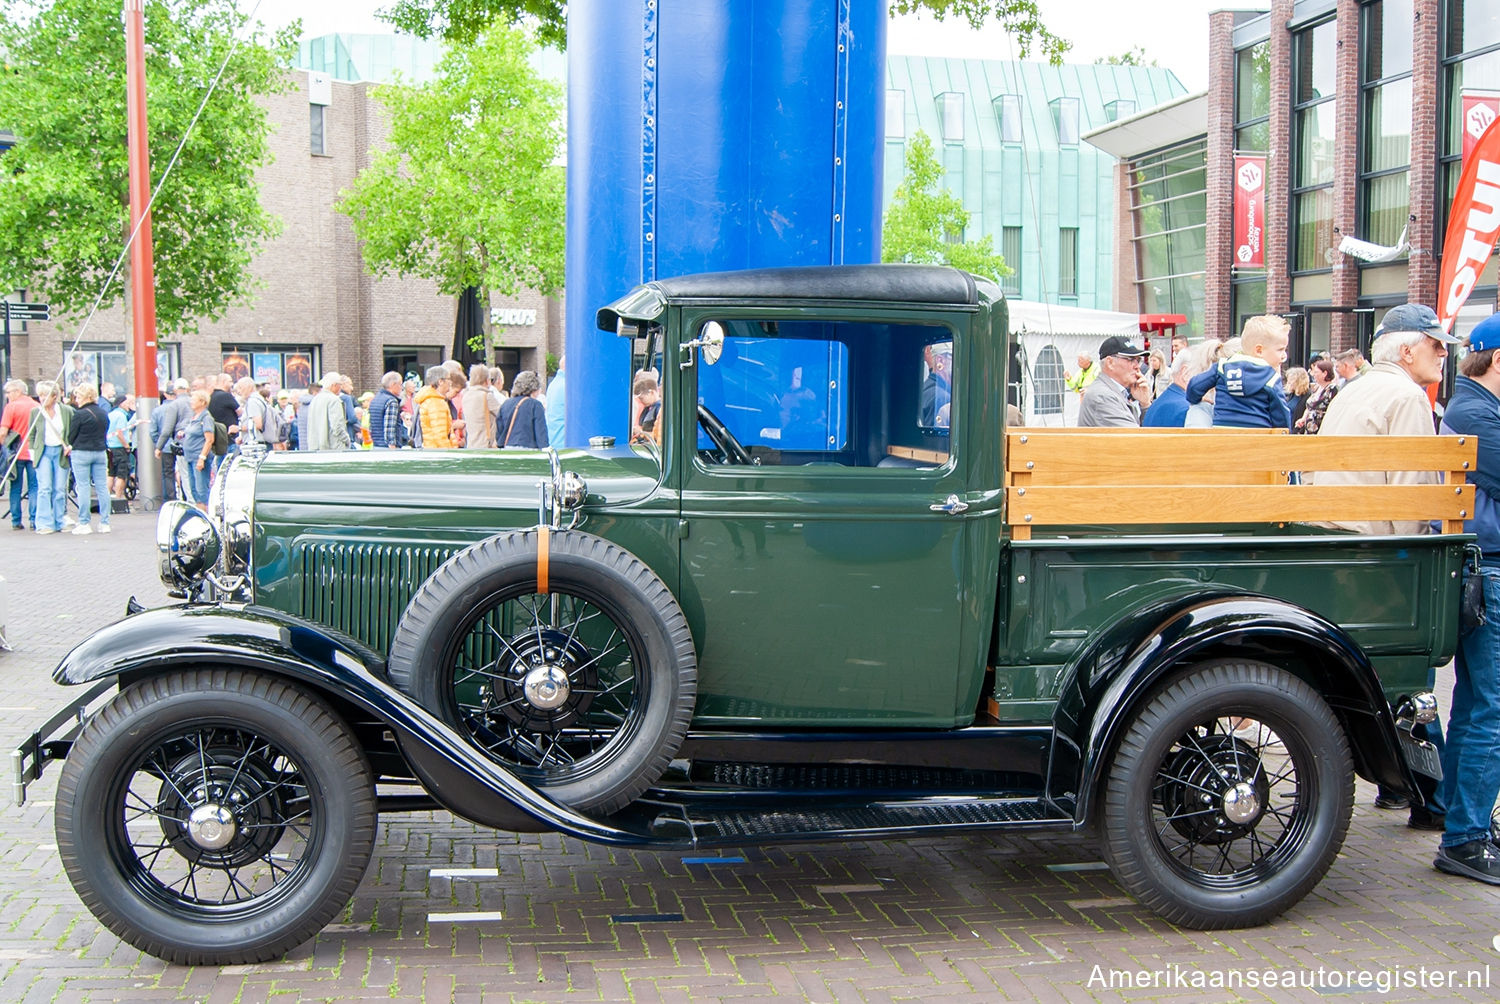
559 656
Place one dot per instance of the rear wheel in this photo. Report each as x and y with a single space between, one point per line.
215 817
1229 796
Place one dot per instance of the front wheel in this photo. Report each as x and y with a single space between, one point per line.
215 817
1229 796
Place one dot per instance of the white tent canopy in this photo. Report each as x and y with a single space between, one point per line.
1051 337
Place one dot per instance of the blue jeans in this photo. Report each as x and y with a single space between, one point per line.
90 469
196 478
1471 761
52 489
24 469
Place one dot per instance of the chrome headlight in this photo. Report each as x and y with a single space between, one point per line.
187 546
229 506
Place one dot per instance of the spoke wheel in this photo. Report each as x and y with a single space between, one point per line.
215 817
546 685
583 690
1229 796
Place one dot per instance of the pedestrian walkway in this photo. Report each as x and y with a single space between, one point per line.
451 911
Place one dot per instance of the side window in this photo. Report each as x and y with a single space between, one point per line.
809 393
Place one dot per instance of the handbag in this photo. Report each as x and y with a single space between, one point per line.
1471 613
513 416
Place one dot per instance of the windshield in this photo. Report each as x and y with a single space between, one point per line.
646 391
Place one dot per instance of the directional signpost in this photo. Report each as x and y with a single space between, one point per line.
18 312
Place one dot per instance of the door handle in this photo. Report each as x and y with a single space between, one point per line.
952 505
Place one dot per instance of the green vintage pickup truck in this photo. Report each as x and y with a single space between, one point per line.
820 593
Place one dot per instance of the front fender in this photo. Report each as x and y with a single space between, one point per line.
266 640
1128 659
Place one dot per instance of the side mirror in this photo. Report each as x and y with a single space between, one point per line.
710 342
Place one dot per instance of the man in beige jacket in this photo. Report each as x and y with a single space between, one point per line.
1389 400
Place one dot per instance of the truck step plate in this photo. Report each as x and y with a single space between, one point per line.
868 819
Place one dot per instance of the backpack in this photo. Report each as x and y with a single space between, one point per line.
276 428
221 439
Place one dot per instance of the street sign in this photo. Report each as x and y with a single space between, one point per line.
27 311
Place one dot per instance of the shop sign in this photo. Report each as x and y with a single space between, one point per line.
1249 211
1473 224
1480 108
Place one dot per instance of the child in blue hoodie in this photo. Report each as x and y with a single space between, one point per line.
1247 386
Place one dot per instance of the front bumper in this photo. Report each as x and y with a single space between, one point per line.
54 738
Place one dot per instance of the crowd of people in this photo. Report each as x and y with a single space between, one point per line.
1240 384
89 433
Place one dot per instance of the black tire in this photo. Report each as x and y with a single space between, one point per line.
477 632
252 748
1229 796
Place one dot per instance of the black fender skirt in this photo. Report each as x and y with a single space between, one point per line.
338 667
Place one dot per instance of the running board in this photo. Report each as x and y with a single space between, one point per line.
709 824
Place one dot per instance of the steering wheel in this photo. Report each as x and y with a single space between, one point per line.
733 452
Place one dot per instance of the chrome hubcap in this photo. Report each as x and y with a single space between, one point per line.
211 826
1240 803
546 687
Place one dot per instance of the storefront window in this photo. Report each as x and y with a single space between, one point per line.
1316 138
1472 25
1253 83
292 367
1388 39
1473 67
1317 52
1314 232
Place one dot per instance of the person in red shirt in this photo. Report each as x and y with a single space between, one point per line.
17 419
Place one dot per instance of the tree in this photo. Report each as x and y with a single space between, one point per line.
469 192
1134 56
64 192
926 222
463 20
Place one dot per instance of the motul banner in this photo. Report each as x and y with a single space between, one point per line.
1480 108
1249 210
1473 224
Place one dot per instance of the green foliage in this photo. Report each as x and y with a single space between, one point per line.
469 192
64 193
926 220
552 363
1134 56
464 20
1021 19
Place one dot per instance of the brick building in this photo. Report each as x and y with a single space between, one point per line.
315 308
1357 107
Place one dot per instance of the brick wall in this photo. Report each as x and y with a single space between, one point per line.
1343 333
1421 269
1219 235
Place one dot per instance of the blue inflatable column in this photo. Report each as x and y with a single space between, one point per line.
711 136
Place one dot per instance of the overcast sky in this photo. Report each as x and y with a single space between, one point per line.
1097 28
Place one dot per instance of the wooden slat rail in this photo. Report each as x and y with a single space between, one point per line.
1127 476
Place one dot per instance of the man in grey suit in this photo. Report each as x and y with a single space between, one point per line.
1115 399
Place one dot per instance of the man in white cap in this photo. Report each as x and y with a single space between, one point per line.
326 429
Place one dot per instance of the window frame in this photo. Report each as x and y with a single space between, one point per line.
1368 88
1301 39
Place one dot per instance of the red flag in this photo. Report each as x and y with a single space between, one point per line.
1473 225
1249 211
1480 108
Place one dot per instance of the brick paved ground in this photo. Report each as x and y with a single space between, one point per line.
979 918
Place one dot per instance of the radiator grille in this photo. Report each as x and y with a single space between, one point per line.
362 588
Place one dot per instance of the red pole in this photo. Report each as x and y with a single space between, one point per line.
142 271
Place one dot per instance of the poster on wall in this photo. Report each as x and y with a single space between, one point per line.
1249 210
236 365
1480 108
267 366
298 371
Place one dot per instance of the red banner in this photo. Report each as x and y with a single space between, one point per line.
1473 225
1480 108
1249 211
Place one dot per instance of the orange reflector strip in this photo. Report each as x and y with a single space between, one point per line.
543 545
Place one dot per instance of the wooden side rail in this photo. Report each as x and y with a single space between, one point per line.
1067 477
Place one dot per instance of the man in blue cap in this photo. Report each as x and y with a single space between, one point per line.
1471 759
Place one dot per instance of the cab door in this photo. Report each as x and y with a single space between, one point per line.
826 530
